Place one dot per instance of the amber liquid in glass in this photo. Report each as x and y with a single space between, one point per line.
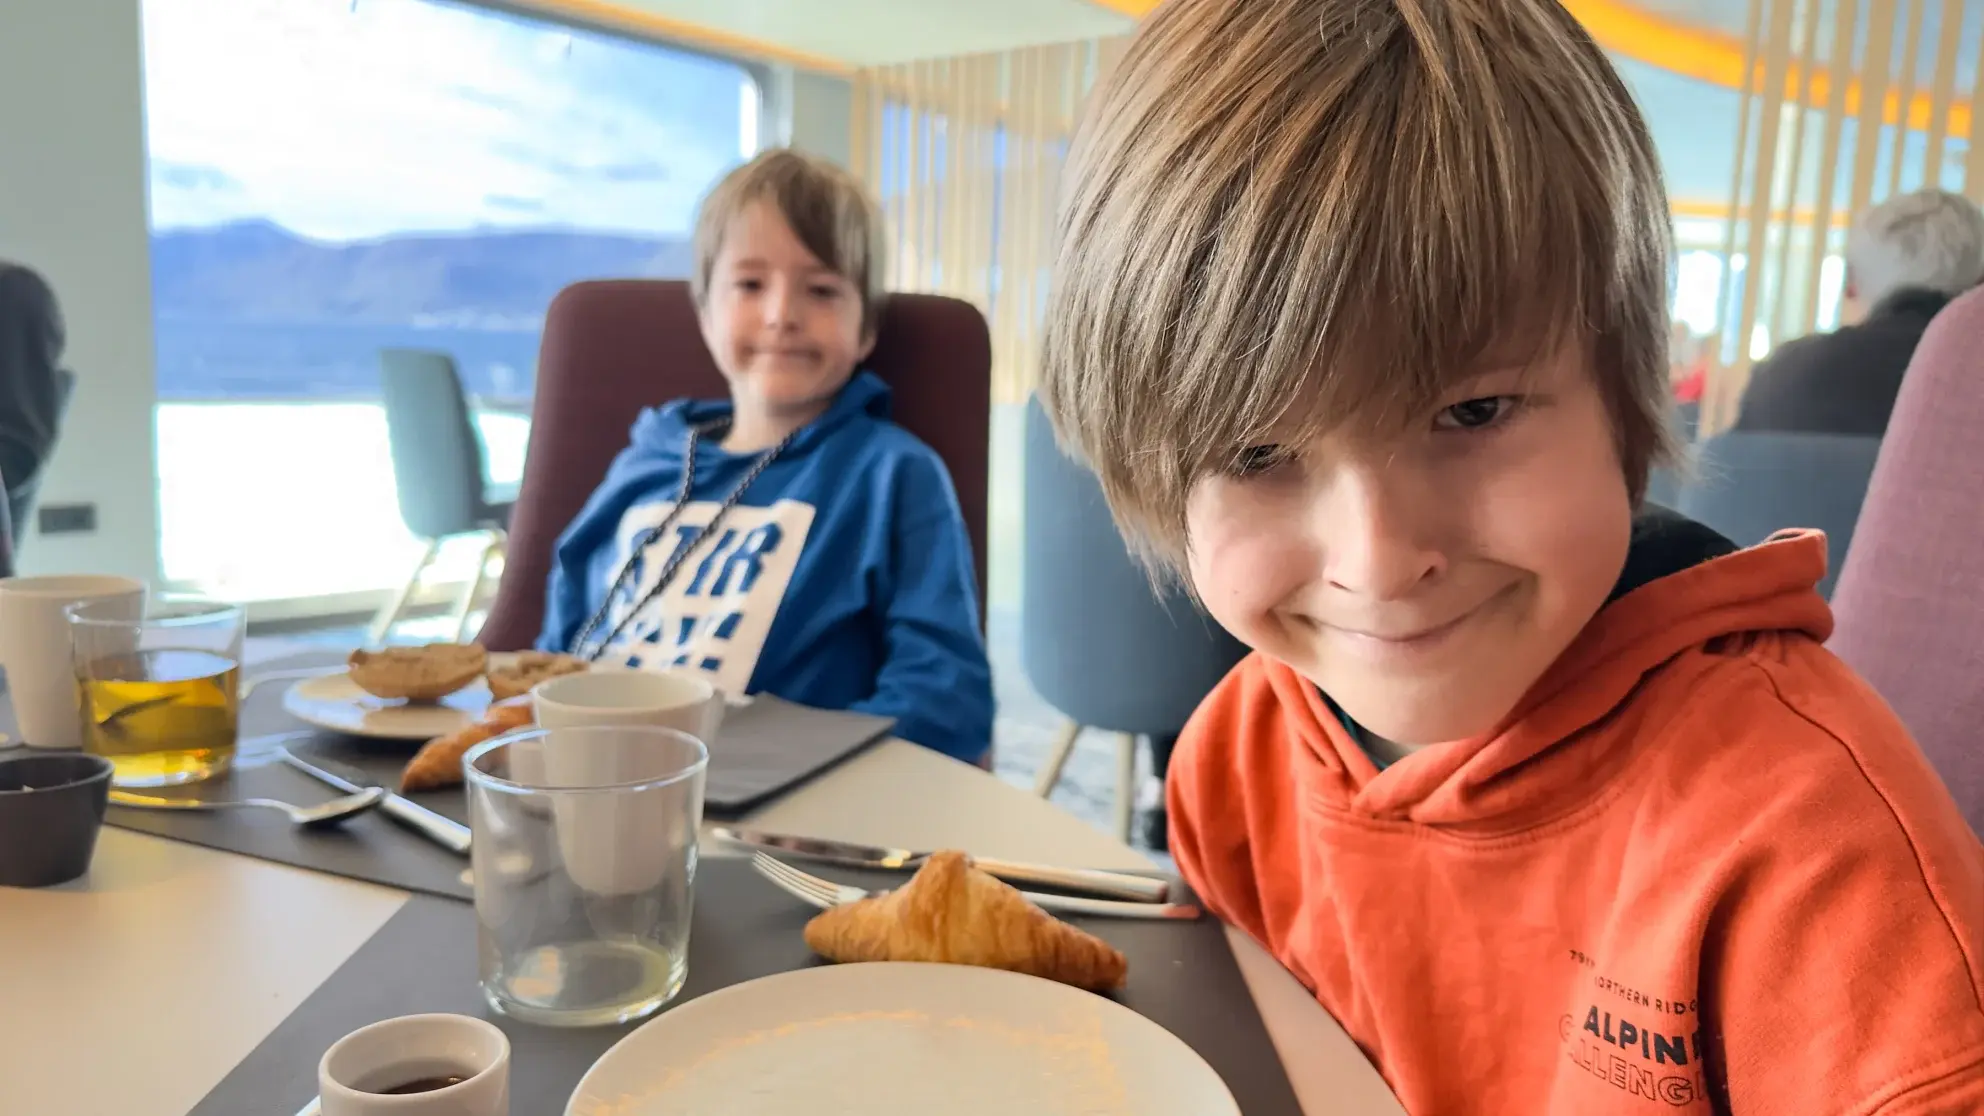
161 717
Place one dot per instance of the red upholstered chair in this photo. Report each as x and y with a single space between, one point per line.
616 346
1909 604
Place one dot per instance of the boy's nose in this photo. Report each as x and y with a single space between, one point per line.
1370 524
781 307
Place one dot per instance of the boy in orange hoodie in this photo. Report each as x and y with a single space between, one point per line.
1560 810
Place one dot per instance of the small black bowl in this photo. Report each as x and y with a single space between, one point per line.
51 807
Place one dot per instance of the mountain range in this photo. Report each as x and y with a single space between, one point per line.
257 271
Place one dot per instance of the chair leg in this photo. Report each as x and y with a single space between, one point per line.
1126 784
466 606
1057 758
382 624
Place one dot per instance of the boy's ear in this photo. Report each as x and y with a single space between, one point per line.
867 347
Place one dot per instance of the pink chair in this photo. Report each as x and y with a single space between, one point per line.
615 346
1909 603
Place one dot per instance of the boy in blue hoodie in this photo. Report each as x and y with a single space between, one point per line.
791 540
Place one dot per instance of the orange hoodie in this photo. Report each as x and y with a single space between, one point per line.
1701 869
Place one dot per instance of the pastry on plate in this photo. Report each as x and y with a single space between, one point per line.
950 912
526 669
427 673
438 763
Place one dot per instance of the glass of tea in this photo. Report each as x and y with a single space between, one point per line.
160 695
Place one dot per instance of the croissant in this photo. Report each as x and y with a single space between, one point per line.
953 913
438 763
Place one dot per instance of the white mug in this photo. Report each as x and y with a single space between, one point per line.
358 1068
36 650
618 848
684 700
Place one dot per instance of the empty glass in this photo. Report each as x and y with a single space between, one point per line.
159 694
585 863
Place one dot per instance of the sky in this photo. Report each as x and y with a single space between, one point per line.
356 119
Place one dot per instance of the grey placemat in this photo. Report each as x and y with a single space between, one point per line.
1182 976
764 749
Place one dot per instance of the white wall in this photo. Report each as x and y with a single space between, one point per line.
817 111
72 206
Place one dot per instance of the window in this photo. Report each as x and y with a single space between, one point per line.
333 177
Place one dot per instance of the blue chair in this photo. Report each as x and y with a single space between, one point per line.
438 473
1750 484
1098 641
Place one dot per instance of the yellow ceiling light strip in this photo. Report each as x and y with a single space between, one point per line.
636 21
1694 52
1702 210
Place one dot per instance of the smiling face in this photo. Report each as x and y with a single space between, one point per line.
1427 579
785 329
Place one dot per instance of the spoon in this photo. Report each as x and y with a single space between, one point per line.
324 815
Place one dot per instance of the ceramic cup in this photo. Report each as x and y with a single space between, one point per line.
36 651
359 1072
51 809
684 700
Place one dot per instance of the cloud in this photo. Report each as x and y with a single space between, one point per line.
510 204
185 176
631 172
345 120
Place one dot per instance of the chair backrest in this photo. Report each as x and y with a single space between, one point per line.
1749 484
1097 640
437 458
613 347
1909 610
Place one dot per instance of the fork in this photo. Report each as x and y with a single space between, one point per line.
826 893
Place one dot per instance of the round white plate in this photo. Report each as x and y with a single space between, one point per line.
334 702
900 1040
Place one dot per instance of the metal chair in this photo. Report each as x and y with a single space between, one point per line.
1750 484
1099 642
438 473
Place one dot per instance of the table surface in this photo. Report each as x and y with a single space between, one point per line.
134 990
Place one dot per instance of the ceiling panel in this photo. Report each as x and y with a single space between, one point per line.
874 32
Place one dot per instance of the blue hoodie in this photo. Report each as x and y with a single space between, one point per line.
842 579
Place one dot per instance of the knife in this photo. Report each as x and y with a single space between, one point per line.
1090 881
446 832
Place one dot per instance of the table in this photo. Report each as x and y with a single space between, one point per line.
133 991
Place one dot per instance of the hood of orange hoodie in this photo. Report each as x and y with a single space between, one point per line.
1683 587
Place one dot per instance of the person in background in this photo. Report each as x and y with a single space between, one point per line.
1559 809
1905 260
790 539
34 387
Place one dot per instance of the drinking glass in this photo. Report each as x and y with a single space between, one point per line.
584 862
158 693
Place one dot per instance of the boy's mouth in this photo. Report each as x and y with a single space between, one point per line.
793 355
1408 639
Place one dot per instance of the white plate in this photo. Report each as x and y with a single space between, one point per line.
334 702
901 1040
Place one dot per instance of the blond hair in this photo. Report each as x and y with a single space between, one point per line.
826 207
1281 217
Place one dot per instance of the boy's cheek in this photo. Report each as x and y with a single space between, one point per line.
1242 576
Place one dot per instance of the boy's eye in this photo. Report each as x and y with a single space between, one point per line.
1474 414
1256 460
826 291
750 284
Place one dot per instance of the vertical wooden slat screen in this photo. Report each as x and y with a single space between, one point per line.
1886 94
965 155
1846 19
1911 49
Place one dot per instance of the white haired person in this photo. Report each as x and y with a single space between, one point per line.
1905 260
